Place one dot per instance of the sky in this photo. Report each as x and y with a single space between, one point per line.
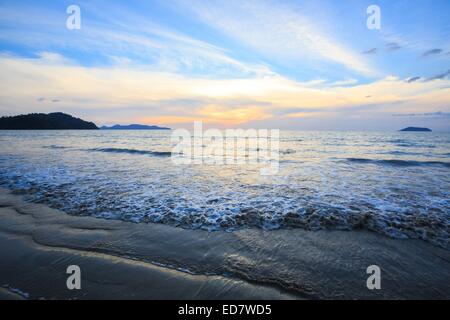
300 65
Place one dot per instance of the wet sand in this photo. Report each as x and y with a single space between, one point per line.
122 260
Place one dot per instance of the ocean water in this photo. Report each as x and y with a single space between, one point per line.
396 184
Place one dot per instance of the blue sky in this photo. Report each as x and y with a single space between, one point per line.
284 64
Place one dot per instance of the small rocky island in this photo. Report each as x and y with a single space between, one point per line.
42 121
133 127
416 129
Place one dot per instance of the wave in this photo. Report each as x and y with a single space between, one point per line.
396 141
288 151
133 151
402 153
55 147
401 163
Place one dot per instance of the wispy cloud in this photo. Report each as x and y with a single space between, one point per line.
371 51
228 62
278 30
432 52
345 82
412 79
393 46
426 114
440 76
123 36
170 98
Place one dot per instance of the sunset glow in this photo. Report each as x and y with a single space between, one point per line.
261 67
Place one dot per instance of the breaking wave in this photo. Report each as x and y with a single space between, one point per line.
400 163
133 151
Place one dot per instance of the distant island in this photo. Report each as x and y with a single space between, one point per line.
416 129
42 121
133 127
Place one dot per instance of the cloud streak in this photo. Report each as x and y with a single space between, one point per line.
412 79
126 37
276 30
371 51
170 98
224 62
426 114
393 46
439 76
432 52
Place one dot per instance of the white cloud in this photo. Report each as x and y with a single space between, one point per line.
168 97
345 82
276 30
122 35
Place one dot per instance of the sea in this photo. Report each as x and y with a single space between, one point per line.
393 183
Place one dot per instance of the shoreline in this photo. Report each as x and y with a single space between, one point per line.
124 260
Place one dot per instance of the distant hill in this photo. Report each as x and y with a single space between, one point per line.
133 127
42 121
416 129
